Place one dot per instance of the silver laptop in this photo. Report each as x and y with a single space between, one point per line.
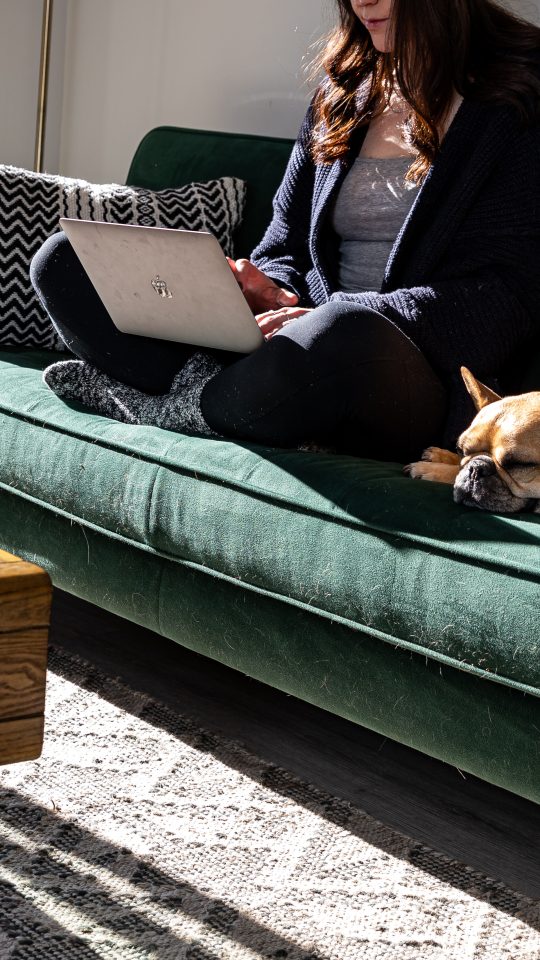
168 284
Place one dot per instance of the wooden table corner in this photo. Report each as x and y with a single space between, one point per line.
25 605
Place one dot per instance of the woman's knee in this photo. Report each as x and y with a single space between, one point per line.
387 385
339 336
49 264
328 321
68 296
344 329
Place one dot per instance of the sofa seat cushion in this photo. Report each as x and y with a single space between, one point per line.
351 540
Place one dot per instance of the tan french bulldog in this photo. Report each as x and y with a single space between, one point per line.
498 465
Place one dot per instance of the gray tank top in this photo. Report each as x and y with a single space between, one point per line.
369 212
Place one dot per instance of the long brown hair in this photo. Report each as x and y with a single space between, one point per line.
474 47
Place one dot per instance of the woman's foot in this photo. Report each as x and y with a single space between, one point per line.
178 409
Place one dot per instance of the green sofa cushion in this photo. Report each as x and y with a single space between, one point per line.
352 540
174 156
336 580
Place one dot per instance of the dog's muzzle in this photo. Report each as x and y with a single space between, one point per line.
479 485
479 469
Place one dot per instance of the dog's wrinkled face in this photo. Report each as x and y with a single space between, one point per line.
500 469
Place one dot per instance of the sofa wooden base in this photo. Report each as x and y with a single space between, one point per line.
25 601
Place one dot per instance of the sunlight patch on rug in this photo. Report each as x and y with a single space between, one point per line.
138 834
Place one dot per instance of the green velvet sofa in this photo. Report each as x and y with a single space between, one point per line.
335 579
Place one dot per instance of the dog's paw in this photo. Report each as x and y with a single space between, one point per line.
438 455
438 472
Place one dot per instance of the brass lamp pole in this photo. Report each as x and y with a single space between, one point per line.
43 84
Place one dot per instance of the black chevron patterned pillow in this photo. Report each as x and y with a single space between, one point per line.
31 205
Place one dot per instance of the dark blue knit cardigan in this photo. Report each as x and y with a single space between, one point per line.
463 278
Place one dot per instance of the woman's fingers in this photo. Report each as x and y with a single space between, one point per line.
261 293
273 320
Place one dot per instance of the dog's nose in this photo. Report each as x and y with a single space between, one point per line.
480 467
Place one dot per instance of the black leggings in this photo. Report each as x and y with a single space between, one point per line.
340 376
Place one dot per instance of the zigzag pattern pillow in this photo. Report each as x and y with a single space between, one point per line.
31 205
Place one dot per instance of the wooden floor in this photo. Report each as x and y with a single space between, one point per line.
486 827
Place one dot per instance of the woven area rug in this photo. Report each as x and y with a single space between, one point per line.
138 834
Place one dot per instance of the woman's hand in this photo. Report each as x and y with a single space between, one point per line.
261 293
273 320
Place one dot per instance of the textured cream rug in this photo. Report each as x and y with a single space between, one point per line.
140 835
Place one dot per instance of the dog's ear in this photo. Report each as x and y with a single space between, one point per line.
481 395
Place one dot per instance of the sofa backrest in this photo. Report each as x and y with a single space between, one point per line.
529 378
174 156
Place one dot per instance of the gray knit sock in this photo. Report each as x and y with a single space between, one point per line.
179 409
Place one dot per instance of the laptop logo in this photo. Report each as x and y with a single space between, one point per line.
161 288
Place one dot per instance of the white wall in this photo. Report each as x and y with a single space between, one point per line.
53 126
135 64
125 66
20 36
20 44
234 65
530 9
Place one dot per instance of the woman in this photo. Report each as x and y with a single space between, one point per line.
405 242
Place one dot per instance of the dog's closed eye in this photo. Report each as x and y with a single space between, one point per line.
509 463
